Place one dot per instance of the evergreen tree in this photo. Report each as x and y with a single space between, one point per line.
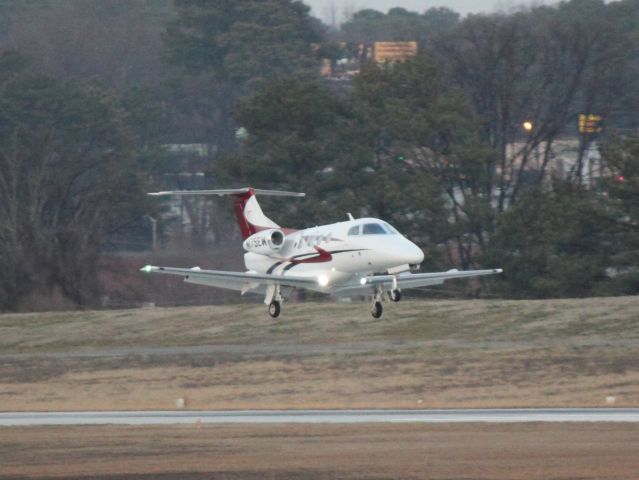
556 243
229 47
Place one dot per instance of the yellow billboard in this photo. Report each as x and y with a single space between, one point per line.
589 123
394 51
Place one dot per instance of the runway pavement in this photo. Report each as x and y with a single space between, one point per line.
284 349
627 415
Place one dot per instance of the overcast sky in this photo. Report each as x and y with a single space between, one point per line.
320 7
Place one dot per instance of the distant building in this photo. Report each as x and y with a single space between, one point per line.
562 159
353 55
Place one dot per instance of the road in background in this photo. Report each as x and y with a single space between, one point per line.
626 415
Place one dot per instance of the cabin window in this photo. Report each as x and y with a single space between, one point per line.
354 230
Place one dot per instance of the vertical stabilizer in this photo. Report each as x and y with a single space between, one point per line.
249 214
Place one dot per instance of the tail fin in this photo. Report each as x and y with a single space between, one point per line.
248 212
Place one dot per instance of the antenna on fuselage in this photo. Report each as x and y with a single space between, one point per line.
350 216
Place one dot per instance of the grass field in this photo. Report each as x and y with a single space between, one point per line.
421 354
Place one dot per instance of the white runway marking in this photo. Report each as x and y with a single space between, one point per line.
628 415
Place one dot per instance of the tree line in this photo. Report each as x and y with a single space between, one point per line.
93 92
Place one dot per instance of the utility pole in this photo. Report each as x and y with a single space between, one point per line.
154 231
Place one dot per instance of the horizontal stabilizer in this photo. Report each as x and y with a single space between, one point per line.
230 191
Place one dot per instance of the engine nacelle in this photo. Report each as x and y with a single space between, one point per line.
266 242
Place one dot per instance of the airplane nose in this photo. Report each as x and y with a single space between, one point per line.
400 251
407 252
415 254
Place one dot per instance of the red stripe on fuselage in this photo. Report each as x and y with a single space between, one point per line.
323 256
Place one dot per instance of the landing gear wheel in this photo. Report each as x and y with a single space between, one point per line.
274 309
376 309
395 295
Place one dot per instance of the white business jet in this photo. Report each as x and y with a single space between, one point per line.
363 256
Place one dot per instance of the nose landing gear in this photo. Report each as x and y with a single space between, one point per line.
394 295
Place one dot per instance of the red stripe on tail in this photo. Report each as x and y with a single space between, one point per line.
239 203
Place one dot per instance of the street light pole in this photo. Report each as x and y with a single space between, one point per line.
154 231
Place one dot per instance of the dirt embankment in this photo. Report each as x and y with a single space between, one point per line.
237 452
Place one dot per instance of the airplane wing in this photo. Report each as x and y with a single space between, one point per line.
413 280
242 281
409 280
246 281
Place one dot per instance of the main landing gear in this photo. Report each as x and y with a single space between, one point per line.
274 309
394 295
273 299
376 307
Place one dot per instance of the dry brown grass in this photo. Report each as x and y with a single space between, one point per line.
443 452
421 354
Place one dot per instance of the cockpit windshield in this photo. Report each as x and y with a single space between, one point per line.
376 229
390 228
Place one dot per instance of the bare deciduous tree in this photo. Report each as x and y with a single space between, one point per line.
118 41
67 179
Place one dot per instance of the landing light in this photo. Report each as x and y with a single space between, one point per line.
148 269
322 280
362 281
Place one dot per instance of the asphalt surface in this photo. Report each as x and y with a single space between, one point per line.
303 349
234 349
625 415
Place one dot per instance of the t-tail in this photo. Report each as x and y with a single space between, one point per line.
249 214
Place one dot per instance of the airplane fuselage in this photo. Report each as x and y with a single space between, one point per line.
338 252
